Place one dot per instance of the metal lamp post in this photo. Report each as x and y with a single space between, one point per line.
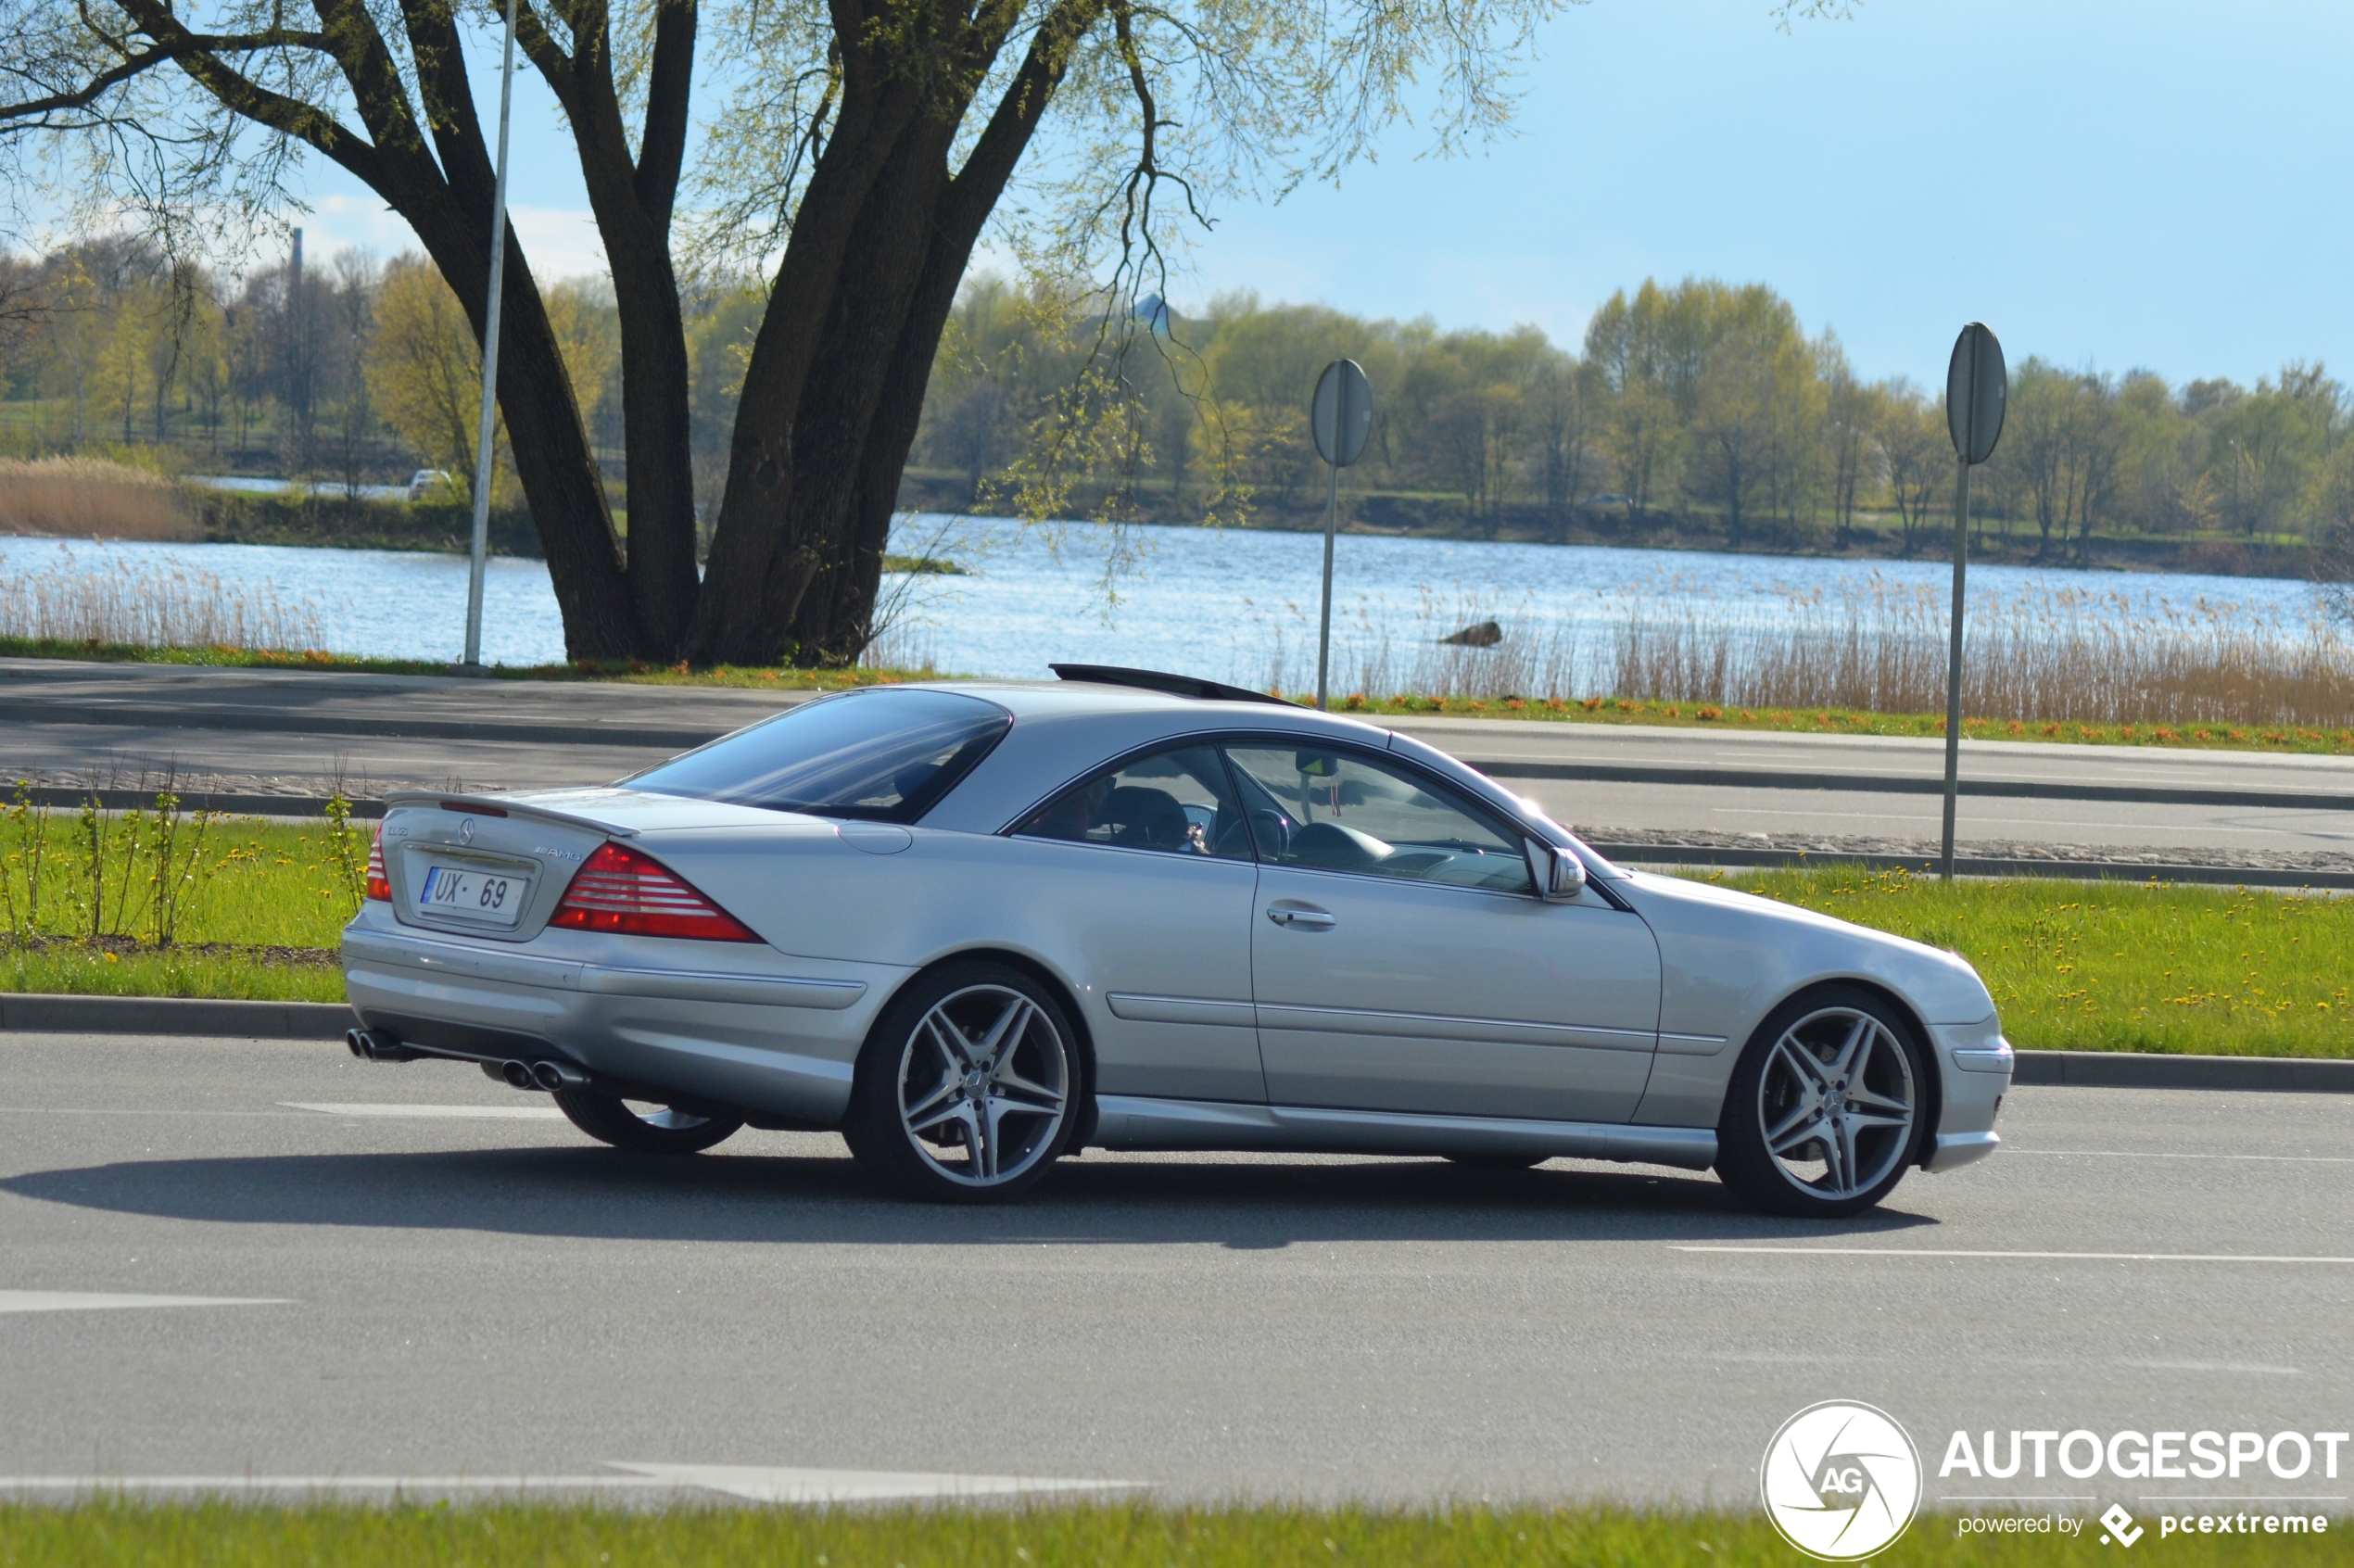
491 357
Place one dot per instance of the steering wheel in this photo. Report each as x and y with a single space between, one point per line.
1273 829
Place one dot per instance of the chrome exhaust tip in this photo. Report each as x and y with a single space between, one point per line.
373 1045
518 1074
552 1076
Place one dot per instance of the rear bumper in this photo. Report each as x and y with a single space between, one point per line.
765 1033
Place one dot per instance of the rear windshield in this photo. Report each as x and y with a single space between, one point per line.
883 757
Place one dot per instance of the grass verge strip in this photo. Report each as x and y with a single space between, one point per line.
214 1534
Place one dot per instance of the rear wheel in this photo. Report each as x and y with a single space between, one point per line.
642 1126
1825 1111
964 1091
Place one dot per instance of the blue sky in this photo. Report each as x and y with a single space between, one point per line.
2108 182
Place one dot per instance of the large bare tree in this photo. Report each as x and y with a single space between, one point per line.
856 150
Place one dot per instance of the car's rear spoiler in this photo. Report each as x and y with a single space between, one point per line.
1158 680
501 805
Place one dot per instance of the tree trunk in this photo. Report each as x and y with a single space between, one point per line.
559 474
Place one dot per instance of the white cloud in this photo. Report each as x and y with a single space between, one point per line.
561 241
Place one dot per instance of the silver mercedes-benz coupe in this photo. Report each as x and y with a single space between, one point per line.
976 926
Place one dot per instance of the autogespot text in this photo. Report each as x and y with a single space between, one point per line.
2151 1456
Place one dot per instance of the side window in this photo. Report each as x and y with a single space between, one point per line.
1335 811
1179 801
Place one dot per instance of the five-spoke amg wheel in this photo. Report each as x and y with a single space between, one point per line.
642 1126
1825 1110
964 1091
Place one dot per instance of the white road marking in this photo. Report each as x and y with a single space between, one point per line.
762 1483
2169 1153
2061 1256
77 1110
105 1484
1974 818
98 1301
752 1482
456 1113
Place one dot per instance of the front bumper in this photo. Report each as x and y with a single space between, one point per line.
744 1026
1974 1072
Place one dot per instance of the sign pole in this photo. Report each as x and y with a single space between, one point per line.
1324 632
491 358
1953 670
1977 386
1340 416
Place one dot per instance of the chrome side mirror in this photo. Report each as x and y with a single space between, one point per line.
1561 876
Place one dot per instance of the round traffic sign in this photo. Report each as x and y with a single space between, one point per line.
1342 415
1975 384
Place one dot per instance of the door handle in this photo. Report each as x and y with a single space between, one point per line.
1314 919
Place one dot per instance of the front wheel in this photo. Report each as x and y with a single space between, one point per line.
1825 1111
964 1091
642 1127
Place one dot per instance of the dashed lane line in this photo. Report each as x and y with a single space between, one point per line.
102 1301
2030 1257
452 1113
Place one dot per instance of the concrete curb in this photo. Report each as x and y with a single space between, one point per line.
2127 1070
61 797
174 1015
2133 871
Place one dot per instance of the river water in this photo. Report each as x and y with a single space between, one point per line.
1233 605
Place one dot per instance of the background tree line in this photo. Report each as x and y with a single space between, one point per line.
1697 413
1690 412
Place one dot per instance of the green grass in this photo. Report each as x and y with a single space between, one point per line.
2279 739
224 1535
2074 965
244 974
629 672
263 907
2119 966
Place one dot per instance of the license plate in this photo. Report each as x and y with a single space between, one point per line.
469 892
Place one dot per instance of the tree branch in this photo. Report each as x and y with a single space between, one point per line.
241 95
555 67
133 65
662 148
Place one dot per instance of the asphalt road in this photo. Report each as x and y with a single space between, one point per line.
443 1293
295 731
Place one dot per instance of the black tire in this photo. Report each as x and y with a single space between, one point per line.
1784 1116
968 1088
663 1131
1499 1161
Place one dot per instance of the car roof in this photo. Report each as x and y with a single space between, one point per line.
1063 729
1025 698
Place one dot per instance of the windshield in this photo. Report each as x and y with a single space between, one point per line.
878 755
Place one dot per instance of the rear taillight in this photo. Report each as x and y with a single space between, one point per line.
378 887
620 890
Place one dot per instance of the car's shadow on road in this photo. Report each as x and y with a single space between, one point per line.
599 1194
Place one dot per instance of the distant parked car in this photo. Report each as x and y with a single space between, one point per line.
425 479
1610 498
978 926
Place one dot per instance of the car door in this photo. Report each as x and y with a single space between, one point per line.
1145 872
1402 961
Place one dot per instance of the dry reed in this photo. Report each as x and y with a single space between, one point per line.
2055 656
155 604
2067 655
91 498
